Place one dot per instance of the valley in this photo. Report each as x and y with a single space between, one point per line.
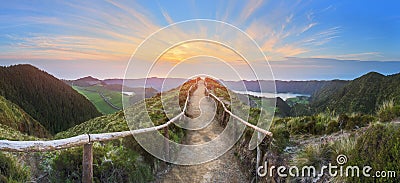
357 118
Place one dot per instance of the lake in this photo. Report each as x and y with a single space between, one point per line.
283 96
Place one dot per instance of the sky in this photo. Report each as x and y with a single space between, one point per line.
301 39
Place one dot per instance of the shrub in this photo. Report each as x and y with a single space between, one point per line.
313 155
281 138
11 171
388 111
378 147
306 125
353 122
333 126
111 163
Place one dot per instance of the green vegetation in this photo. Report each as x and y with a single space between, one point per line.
313 155
298 100
362 95
116 121
113 162
13 116
378 147
326 123
8 133
92 94
120 160
48 100
281 138
388 111
11 171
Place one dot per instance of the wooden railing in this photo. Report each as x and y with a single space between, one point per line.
237 117
86 140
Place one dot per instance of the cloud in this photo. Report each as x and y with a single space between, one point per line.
166 16
113 35
249 9
366 56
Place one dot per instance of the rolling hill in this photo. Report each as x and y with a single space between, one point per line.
48 100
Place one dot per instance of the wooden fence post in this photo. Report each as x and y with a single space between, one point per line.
87 163
166 143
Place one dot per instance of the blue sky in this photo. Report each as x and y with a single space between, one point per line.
302 39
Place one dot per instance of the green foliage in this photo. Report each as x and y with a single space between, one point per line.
11 171
324 123
355 121
333 126
281 137
301 110
378 147
343 146
93 96
298 100
362 95
13 116
112 162
8 133
48 100
306 125
388 111
313 155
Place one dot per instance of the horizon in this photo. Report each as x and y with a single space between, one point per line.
103 79
304 40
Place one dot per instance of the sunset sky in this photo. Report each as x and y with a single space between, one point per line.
302 39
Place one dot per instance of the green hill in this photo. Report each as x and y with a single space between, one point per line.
116 122
363 94
48 100
13 116
108 98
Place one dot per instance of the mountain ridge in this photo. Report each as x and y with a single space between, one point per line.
363 94
47 99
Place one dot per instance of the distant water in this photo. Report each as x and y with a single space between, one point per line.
129 93
283 96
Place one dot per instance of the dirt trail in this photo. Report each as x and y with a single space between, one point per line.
223 169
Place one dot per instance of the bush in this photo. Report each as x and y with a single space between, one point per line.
355 121
388 111
306 125
313 155
333 126
11 171
281 138
378 147
111 163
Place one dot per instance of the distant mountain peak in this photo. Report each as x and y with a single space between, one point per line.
88 78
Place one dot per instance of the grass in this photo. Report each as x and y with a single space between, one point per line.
11 170
15 117
8 133
297 100
388 111
92 94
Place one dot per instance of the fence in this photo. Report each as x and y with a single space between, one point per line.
86 140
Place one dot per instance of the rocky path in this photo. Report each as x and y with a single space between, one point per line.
223 169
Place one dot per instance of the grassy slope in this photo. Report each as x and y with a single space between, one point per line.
116 121
92 93
16 118
8 133
363 94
